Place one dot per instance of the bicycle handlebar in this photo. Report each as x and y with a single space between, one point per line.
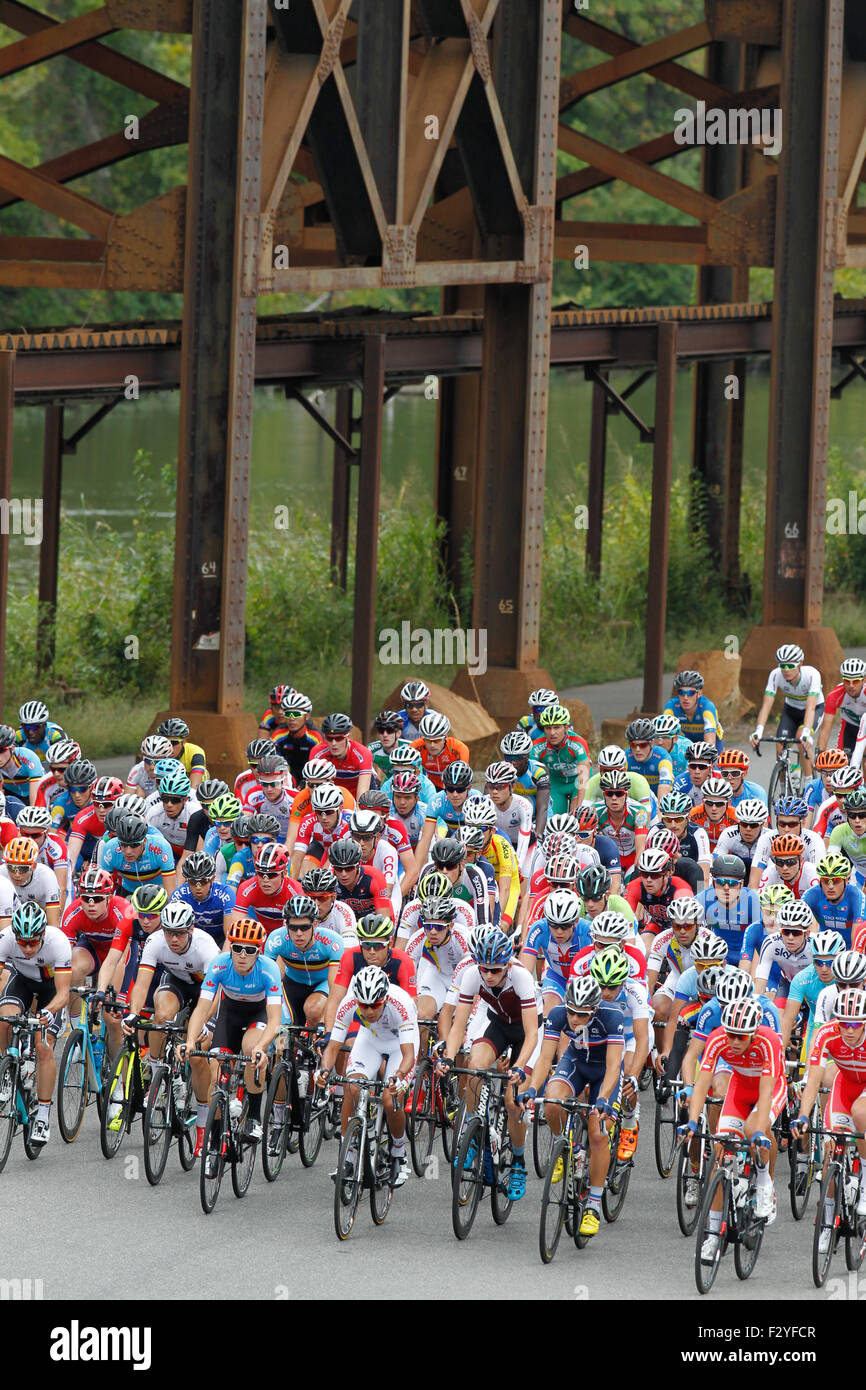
786 742
477 1071
566 1103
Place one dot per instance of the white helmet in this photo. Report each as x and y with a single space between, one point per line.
318 770
686 912
434 725
480 811
562 907
34 712
612 756
790 654
500 772
853 668
611 925
155 746
795 913
750 811
733 985
742 1016
370 985
849 968
178 915
717 788
326 797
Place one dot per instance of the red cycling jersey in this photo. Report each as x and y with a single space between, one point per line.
103 934
828 1045
358 759
88 822
252 901
399 968
763 1056
637 960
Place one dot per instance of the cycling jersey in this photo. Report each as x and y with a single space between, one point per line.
639 790
654 769
193 759
446 814
398 967
22 768
63 810
805 988
191 965
48 791
852 846
514 823
712 829
210 913
635 820
807 684
686 787
702 725
156 859
607 851
257 803
850 707
262 983
426 790
43 887
7 897
633 1002
504 862
531 782
679 748
807 879
655 905
475 885
311 832
562 765
828 1045
342 920
295 748
710 1018
749 791
308 965
382 759
558 958
811 839
464 917
829 815
101 933
140 780
53 734
666 948
636 960
53 958
412 824
398 1022
434 765
694 845
590 1043
252 901
731 922
763 1056
846 916
173 828
301 806
731 842
356 760
369 893
774 951
507 1002
435 965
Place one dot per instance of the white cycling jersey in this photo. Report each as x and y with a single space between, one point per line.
808 878
54 954
43 887
398 1021
343 921
465 917
515 823
775 952
191 966
174 830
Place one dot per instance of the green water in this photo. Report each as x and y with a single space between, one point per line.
292 457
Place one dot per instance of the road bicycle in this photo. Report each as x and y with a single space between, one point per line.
786 779
668 1104
837 1208
170 1108
484 1154
566 1181
18 1100
801 1176
294 1116
366 1159
735 1178
225 1140
694 1164
84 1064
434 1106
125 1090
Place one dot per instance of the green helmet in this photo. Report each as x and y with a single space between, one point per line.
225 809
675 804
434 885
610 967
375 926
775 894
29 922
554 716
175 783
149 898
834 865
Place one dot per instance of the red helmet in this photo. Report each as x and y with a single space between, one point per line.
587 818
106 789
272 857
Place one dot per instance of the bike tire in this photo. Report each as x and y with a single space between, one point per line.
312 1137
32 1150
800 1200
554 1201
748 1246
705 1274
615 1188
542 1141
112 1128
243 1155
273 1162
421 1119
665 1133
466 1189
156 1125
500 1202
855 1243
780 784
449 1112
379 1179
8 1082
686 1216
187 1136
212 1145
72 1087
347 1189
821 1260
645 1079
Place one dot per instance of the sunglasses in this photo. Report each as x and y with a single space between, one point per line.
687 691
792 931
734 772
492 969
856 815
716 805
101 804
269 873
584 834
245 950
610 793
645 873
19 868
266 782
788 665
32 728
579 1013
727 882
369 1008
321 897
172 800
829 879
93 897
80 789
176 742
299 926
415 704
850 1027
175 931
642 743
786 863
784 823
699 767
335 738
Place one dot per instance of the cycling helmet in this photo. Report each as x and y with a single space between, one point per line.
849 968
326 797
370 985
667 726
434 726
594 881
562 907
318 770
517 744
345 853
263 823
375 800
500 772
615 781
339 724
850 1006
405 756
128 801
833 864
107 789
493 947
246 932
554 717
686 680
561 869
278 694
174 784
708 980
675 804
582 994
790 654
8 736
319 880
447 852
562 821
154 746
81 773
149 898
414 692
856 800
790 806
786 845
457 777
557 842
34 818
481 812
175 729
853 668
653 861
295 703
167 767
240 829
775 894
728 866
701 753
743 1016
33 712
830 759
709 950
665 840
751 811
439 909
365 823
587 818
639 731
408 783
610 967
270 857
717 788
114 814
795 913
178 915
734 758
225 809
198 867
433 884
272 765
388 721
685 912
63 751
96 882
374 926
257 748
469 836
131 829
611 756
300 907
29 922
826 944
734 985
541 698
208 791
613 925
846 779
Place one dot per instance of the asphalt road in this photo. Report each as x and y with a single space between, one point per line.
99 1228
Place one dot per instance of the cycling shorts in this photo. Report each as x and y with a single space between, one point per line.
741 1099
368 1053
506 1038
297 993
187 991
577 1073
20 990
843 1093
551 983
96 946
432 983
791 719
234 1017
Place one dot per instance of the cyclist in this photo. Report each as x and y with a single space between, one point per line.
699 764
389 726
809 983
552 944
831 812
849 838
820 789
743 838
36 731
459 858
836 903
317 771
37 959
611 929
449 804
139 854
210 792
437 748
91 922
651 893
849 972
561 869
594 1036
273 719
693 986
434 884
668 734
352 761
683 867
531 779
190 754
264 896
614 759
389 1036
296 742
848 699
245 781
803 695
416 702
539 701
120 962
508 990
565 758
415 819
212 903
513 813
247 833
249 1013
321 885
843 1042
789 948
791 813
307 955
698 716
20 772
714 814
733 765
481 814
374 932
272 793
670 954
436 949
31 881
789 865
771 900
730 908
610 968
595 886
587 834
142 775
88 823
624 821
406 758
52 786
170 809
362 886
34 822
649 759
377 852
694 844
327 822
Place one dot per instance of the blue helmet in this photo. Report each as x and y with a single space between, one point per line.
791 806
492 947
166 766
825 944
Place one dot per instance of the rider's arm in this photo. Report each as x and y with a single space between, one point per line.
530 1036
613 1066
272 1027
691 1059
336 996
169 881
544 1062
458 1028
108 967
62 981
542 801
792 1008
637 1058
138 993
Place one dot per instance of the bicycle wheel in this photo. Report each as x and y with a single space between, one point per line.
466 1192
542 1141
421 1119
448 1104
821 1259
855 1245
379 1179
645 1079
112 1125
243 1154
312 1134
748 1244
103 1060
687 1216
72 1087
780 783
213 1157
32 1150
8 1082
347 1185
553 1201
800 1180
500 1201
706 1271
616 1187
186 1138
157 1125
665 1133
275 1132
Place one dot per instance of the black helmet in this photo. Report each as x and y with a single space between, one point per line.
131 829
81 773
174 729
257 748
388 720
447 852
685 680
198 866
300 906
241 828
593 881
263 823
639 731
7 736
210 789
374 800
457 777
319 880
345 853
271 765
336 724
728 866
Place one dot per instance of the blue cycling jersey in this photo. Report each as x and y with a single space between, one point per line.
309 965
752 942
814 793
427 792
558 958
805 988
209 914
679 748
528 783
414 822
704 720
608 852
731 923
749 791
23 768
659 760
262 982
53 734
442 809
710 1017
588 1045
842 916
156 858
